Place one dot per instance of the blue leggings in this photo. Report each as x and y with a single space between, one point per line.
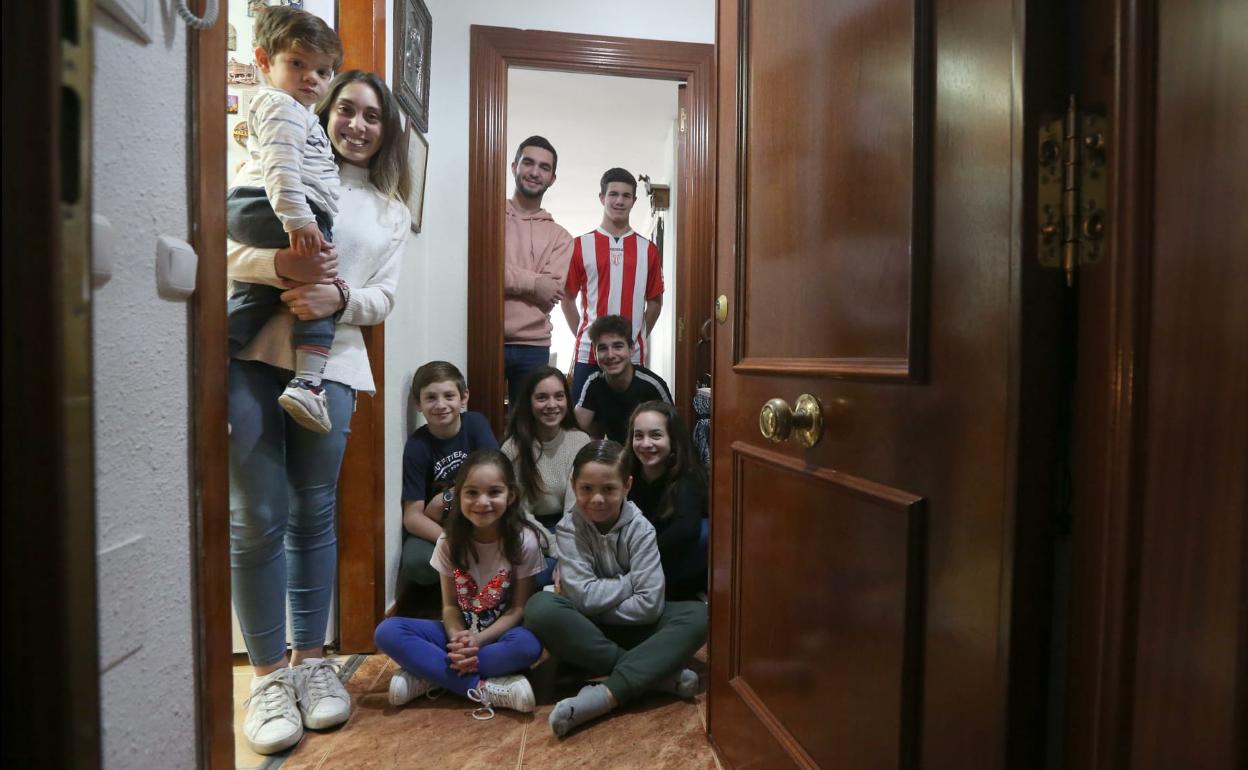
419 646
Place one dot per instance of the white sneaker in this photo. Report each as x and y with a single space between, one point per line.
405 687
307 405
323 700
505 692
273 723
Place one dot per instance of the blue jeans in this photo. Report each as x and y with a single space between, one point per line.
419 646
283 500
518 361
580 373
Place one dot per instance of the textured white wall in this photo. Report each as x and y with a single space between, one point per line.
141 401
431 314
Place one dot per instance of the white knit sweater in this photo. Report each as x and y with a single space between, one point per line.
369 231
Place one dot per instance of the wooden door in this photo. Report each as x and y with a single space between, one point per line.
869 244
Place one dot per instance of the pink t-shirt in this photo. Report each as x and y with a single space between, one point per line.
484 589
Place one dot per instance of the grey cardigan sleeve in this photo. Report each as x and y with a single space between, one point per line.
645 605
588 592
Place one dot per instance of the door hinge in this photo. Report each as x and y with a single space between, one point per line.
1071 222
684 120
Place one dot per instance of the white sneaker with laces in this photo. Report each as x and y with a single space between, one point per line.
307 406
405 687
273 723
505 692
323 700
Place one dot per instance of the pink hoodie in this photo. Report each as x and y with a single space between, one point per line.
534 245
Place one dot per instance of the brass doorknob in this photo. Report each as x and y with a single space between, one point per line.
777 421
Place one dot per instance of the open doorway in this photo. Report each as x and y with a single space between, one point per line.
496 52
641 135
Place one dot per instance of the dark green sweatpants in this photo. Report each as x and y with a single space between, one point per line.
414 566
633 658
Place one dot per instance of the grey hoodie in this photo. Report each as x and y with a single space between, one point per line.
614 578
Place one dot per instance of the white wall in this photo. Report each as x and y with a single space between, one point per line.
430 316
143 500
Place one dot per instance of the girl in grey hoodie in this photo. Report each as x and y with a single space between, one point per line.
608 615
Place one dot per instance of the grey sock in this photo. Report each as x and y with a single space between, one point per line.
310 364
590 703
683 684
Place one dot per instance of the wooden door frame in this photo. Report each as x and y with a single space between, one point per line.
493 51
50 581
1118 557
361 515
1109 425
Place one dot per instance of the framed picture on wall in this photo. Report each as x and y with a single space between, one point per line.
136 15
413 33
417 163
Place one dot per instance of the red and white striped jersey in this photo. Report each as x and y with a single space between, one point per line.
613 276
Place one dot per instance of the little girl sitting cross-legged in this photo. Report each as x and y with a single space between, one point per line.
487 558
609 617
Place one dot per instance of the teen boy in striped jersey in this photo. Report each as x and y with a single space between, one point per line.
614 271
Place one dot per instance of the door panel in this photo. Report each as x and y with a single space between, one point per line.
869 229
827 194
857 570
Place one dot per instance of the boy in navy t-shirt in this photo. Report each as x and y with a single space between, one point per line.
431 458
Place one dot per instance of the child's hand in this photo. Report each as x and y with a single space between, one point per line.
307 240
295 270
462 663
462 652
556 580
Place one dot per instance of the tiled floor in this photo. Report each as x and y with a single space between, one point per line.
657 731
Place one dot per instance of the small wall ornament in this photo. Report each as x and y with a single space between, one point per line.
240 133
239 74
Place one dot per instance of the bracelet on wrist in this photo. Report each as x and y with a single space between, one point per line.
344 294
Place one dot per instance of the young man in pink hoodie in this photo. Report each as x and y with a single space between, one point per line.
536 258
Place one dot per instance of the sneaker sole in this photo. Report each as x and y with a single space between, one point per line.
301 415
276 746
325 723
396 701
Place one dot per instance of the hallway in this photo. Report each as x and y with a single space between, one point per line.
657 732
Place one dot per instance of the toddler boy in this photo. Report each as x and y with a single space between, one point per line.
286 193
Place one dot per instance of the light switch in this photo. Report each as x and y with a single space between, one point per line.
176 266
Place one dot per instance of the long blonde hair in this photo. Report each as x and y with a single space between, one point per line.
387 169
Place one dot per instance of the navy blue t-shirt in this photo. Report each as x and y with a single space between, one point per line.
430 463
